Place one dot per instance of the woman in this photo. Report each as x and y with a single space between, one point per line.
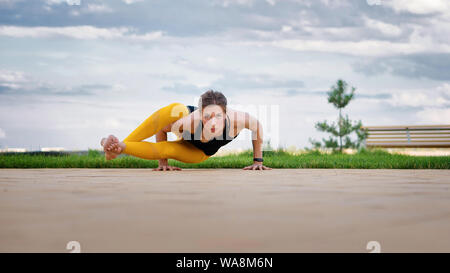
201 132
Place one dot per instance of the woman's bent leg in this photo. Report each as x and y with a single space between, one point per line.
153 124
184 151
180 150
158 120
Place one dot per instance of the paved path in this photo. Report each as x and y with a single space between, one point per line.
224 210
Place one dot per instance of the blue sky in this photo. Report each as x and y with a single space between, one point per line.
71 74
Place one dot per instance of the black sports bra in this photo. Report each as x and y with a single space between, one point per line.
212 146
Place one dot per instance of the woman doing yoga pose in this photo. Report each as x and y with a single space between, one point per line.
201 131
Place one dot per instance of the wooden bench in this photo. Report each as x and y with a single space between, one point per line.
414 136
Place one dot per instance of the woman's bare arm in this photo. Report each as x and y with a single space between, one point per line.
247 121
255 126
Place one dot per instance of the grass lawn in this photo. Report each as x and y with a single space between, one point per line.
364 159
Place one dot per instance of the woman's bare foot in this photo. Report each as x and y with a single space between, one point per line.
116 146
109 152
108 142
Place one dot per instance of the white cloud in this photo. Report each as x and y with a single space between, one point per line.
117 87
78 32
342 40
13 79
434 115
433 97
129 2
2 133
359 48
417 99
286 28
74 13
58 2
9 3
84 8
112 123
444 89
20 81
55 2
335 3
150 36
211 60
419 6
12 76
226 3
24 83
385 28
98 8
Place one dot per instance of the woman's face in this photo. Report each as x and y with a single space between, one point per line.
213 119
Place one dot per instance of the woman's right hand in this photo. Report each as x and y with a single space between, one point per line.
164 166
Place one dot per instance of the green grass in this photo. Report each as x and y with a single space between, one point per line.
365 159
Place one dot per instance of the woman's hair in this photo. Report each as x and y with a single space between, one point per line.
213 97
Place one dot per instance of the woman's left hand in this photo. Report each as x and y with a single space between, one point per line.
256 166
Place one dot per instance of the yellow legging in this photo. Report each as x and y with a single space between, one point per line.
179 149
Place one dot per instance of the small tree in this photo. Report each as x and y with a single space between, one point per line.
340 132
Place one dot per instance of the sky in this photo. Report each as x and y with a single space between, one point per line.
74 71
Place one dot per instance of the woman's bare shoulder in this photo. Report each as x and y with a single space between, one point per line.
236 114
237 118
